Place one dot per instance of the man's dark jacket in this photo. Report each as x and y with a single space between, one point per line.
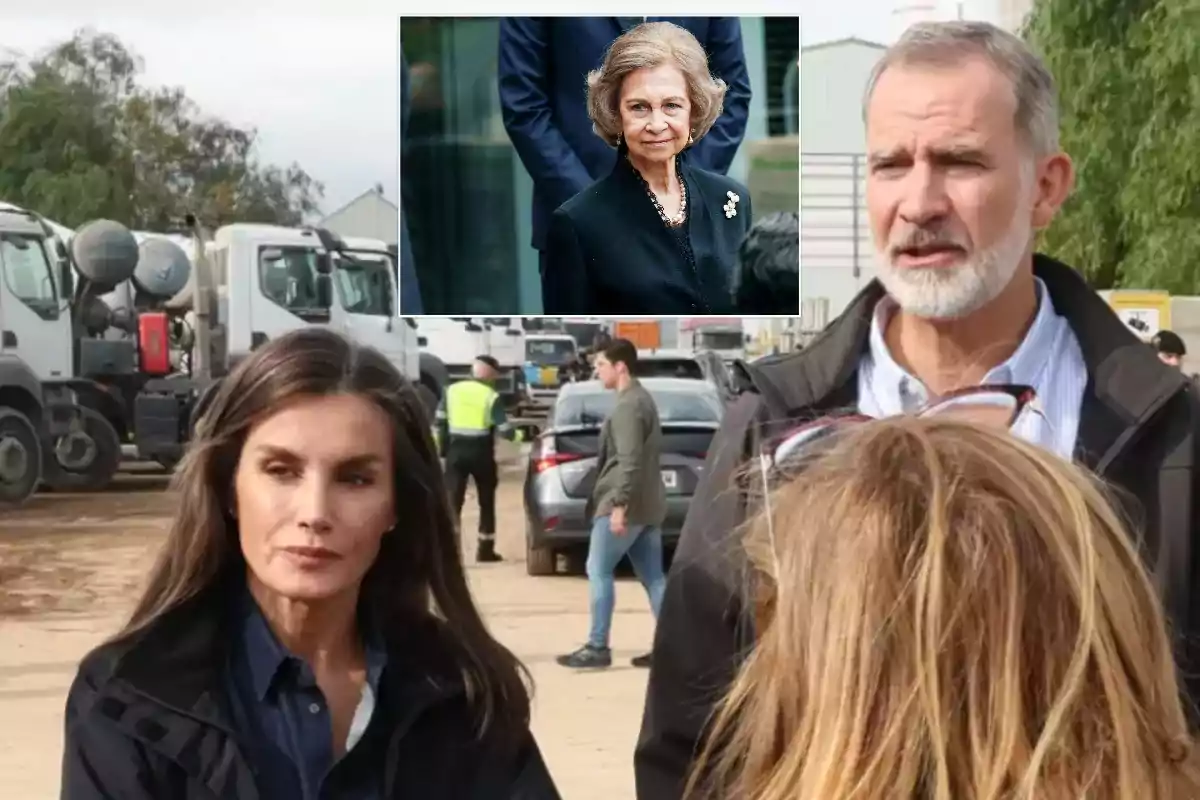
543 66
1137 430
145 720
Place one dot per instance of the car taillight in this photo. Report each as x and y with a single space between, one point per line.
551 460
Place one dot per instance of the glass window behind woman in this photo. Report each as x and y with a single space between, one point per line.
307 631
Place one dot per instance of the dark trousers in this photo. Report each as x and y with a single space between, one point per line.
542 275
470 460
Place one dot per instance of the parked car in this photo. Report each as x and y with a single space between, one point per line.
668 364
703 365
562 462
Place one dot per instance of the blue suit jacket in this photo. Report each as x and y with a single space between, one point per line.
544 62
410 289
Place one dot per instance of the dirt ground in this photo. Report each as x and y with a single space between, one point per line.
70 566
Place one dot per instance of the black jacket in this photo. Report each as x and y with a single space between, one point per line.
147 720
608 251
1137 430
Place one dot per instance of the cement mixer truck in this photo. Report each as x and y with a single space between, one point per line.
57 379
249 284
114 339
81 321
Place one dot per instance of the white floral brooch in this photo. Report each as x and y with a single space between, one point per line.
731 205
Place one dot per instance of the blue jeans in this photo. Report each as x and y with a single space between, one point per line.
643 544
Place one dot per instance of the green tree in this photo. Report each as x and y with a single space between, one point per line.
80 138
1128 74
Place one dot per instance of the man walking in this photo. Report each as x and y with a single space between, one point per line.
964 167
469 416
628 503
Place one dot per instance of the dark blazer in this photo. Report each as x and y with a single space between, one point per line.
147 720
410 289
1138 431
608 251
543 66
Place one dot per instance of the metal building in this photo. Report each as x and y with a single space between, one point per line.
369 215
835 241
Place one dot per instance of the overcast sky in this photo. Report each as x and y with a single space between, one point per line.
321 90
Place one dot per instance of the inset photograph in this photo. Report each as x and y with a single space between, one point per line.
601 165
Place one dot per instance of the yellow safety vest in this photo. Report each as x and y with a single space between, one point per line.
469 408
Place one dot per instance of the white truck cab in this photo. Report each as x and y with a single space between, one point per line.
268 278
545 354
365 289
506 340
35 346
34 316
456 341
725 336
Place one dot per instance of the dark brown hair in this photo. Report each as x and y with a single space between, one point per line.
417 578
621 351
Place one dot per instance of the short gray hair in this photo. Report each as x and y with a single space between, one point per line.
945 44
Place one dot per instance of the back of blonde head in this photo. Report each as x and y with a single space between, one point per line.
956 615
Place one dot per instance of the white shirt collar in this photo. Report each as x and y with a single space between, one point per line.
1024 366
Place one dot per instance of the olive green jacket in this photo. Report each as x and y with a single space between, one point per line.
628 469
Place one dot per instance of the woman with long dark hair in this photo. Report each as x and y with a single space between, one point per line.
307 631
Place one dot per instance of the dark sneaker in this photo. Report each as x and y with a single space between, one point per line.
587 657
642 661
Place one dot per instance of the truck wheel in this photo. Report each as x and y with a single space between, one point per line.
84 460
20 457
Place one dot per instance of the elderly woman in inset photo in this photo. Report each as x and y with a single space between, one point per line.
657 235
307 630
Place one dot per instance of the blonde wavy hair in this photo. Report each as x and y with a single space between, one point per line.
649 46
951 614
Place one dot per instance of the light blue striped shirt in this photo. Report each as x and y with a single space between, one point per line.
1048 359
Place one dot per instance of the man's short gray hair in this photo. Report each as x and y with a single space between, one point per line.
947 44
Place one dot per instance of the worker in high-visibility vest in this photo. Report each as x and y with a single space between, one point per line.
468 418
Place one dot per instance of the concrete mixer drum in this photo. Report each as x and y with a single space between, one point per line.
162 269
105 253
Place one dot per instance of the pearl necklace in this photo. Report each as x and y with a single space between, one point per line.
678 219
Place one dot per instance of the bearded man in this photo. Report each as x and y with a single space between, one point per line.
964 169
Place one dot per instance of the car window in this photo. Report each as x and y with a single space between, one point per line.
591 408
668 368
